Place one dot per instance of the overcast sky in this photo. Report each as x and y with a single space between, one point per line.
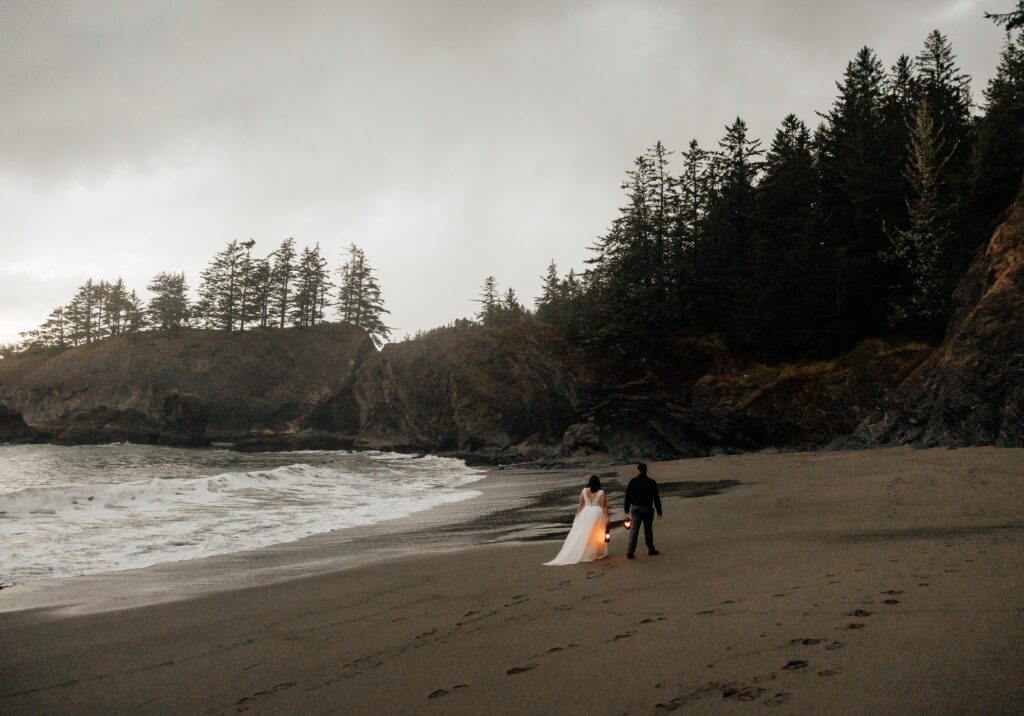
449 140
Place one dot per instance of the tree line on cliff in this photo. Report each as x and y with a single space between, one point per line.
860 228
237 291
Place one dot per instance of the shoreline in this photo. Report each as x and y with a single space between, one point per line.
515 505
854 582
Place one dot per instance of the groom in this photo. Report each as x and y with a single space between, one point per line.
641 501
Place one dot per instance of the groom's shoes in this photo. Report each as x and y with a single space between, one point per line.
630 556
653 552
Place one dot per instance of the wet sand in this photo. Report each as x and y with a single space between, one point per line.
882 581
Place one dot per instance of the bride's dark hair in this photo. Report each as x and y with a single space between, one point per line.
594 484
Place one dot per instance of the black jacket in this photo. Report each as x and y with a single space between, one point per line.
642 491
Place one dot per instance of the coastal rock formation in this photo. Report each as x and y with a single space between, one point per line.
187 388
806 405
648 426
469 390
971 390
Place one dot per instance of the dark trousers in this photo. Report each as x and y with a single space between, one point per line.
644 516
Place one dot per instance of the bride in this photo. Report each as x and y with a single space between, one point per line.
585 541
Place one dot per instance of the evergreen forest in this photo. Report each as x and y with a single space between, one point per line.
858 228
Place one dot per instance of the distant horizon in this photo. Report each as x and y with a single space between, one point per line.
449 143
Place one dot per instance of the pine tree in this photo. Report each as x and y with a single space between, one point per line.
550 289
697 185
169 308
997 163
311 288
632 291
220 292
727 250
1012 20
902 93
511 308
134 314
54 332
946 89
550 305
790 296
857 186
921 251
490 302
282 275
101 294
258 282
116 308
948 95
81 315
248 311
359 296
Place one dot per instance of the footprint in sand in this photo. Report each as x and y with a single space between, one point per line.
859 613
892 601
794 665
828 672
521 669
743 693
777 700
835 645
854 625
556 649
445 692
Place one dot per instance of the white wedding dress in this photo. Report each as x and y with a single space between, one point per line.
585 541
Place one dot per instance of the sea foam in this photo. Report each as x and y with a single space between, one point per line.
105 522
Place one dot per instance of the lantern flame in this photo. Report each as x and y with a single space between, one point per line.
627 524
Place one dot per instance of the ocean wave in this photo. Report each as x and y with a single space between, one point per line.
90 526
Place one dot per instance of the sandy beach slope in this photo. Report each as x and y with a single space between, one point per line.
882 581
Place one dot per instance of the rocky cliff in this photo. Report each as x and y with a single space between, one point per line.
488 391
187 388
971 390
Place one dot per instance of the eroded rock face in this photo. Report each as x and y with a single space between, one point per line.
186 388
473 390
971 390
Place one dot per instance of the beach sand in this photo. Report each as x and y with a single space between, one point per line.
880 581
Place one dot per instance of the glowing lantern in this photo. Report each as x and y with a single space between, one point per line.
607 535
627 524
